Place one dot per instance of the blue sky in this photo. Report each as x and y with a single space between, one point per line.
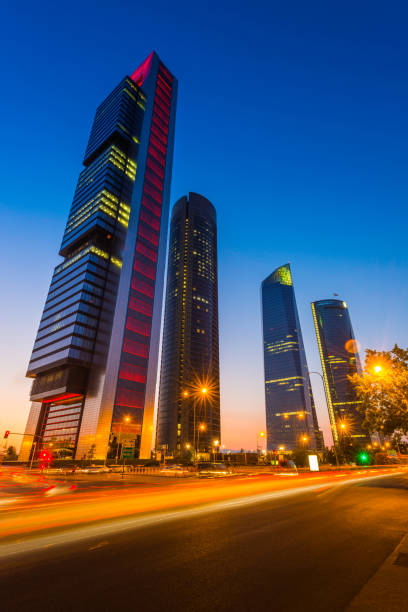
292 120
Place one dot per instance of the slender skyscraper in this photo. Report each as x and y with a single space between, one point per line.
189 400
290 414
339 357
94 361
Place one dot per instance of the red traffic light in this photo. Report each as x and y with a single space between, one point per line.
7 433
45 456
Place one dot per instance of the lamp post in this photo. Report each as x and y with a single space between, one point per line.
327 404
215 445
126 419
202 392
261 434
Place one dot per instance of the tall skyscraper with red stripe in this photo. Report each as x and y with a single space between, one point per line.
94 360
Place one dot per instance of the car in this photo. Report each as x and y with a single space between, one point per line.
119 467
173 470
214 469
95 469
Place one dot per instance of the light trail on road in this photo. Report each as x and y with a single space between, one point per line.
44 521
120 525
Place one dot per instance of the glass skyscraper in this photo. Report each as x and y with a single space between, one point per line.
290 412
94 361
189 400
339 357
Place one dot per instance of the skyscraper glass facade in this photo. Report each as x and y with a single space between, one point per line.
94 360
339 357
290 414
189 400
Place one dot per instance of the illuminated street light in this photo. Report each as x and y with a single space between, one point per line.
204 390
188 446
202 427
301 415
185 393
281 448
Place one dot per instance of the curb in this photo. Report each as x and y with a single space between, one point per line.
387 589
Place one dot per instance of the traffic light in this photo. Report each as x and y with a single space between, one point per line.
363 458
45 456
6 433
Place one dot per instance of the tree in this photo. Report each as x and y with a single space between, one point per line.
300 456
11 453
383 392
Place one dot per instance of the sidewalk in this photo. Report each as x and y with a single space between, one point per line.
387 589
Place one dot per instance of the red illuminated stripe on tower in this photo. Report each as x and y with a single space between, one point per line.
162 101
131 372
162 82
140 306
160 124
151 206
148 229
157 132
129 398
157 168
58 398
142 287
151 191
140 327
148 235
155 180
164 71
146 269
164 116
144 250
154 141
159 157
154 222
135 348
141 73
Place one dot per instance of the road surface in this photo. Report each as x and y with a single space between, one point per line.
299 545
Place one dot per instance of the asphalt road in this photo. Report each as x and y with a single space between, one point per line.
311 551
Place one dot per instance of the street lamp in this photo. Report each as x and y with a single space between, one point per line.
260 435
126 419
328 407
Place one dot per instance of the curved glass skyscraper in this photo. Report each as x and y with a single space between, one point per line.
189 400
290 413
339 357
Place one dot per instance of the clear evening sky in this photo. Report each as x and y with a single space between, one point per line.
292 120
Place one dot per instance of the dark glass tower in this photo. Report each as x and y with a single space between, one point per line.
189 400
290 413
339 357
94 360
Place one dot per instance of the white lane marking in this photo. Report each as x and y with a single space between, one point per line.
80 534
